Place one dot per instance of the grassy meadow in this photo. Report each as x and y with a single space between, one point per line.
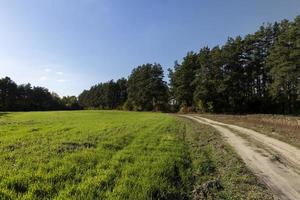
117 155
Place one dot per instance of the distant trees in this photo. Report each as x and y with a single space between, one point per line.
259 73
182 78
109 95
146 88
8 94
284 65
15 97
70 103
209 84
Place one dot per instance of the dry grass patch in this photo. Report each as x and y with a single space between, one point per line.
284 128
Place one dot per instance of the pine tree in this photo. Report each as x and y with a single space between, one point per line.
284 62
234 75
146 88
182 78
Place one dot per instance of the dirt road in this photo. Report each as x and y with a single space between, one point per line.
275 162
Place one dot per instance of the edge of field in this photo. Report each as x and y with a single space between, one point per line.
217 171
176 158
284 128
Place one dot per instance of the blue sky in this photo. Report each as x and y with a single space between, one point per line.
69 45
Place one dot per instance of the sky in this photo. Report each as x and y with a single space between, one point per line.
70 45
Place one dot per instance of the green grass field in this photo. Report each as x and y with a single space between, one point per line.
117 155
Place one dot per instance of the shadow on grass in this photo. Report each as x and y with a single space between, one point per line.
3 114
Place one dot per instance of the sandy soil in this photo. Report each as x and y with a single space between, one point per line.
275 162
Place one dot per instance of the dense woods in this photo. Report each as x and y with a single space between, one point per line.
144 90
15 97
257 73
109 95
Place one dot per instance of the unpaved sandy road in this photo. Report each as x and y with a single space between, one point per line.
275 162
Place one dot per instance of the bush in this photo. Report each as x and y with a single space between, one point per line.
128 106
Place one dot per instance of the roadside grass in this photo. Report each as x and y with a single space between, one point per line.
284 128
217 170
117 155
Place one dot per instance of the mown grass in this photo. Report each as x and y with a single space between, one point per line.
91 155
115 155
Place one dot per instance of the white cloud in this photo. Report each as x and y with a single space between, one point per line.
43 78
60 73
62 80
47 70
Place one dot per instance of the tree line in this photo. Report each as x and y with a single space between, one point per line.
144 90
257 73
24 97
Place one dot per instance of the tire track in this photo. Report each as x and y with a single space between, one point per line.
283 178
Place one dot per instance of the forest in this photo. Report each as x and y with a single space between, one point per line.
24 97
256 73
